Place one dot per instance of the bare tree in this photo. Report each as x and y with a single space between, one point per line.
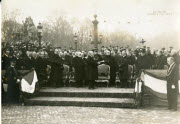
119 38
8 28
84 32
62 32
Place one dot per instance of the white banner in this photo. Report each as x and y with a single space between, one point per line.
155 84
26 87
138 86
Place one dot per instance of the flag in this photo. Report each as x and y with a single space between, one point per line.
154 82
28 82
138 86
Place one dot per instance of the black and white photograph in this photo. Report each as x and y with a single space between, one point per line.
90 61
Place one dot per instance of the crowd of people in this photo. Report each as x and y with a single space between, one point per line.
85 63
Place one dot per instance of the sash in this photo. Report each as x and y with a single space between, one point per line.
170 69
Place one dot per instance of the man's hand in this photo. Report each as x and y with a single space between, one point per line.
173 86
18 80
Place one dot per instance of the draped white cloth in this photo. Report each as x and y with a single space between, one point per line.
26 86
153 83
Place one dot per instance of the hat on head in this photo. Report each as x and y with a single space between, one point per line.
142 50
122 49
163 48
76 53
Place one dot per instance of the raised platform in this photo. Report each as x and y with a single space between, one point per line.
85 92
85 89
69 96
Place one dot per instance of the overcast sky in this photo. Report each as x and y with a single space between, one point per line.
142 18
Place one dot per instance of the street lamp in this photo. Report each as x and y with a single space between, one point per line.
96 42
100 39
75 41
39 34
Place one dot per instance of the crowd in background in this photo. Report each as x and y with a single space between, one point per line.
85 63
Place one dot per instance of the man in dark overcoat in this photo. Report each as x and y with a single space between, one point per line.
123 69
11 79
150 57
19 61
160 60
26 61
85 75
110 60
6 60
56 64
172 83
97 56
92 69
142 61
67 60
78 65
176 57
40 67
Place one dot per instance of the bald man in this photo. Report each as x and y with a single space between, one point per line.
172 84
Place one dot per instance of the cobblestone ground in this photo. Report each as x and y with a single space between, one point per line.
16 114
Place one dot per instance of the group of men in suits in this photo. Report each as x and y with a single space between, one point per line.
86 64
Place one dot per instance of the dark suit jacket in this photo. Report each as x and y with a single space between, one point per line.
5 62
123 67
173 75
10 79
78 65
92 69
160 62
142 62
